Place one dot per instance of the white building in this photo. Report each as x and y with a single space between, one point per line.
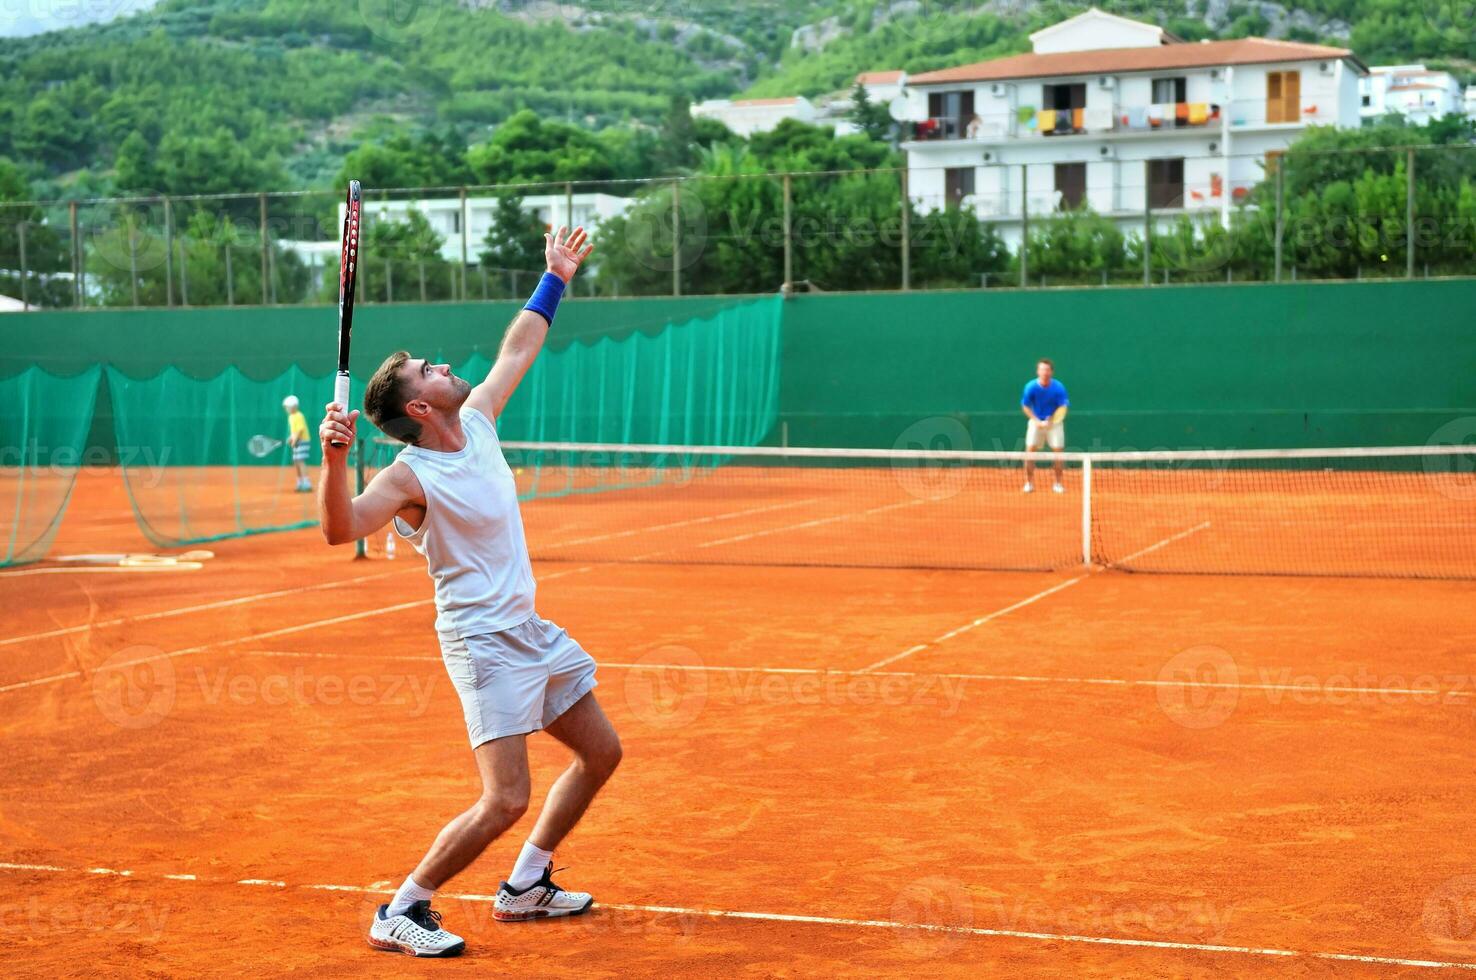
446 215
1412 91
1119 116
748 116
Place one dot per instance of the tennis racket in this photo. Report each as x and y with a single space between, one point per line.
260 446
348 277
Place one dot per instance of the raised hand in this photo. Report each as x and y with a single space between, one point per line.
565 252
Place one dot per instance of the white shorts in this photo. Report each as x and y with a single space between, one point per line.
1038 433
518 680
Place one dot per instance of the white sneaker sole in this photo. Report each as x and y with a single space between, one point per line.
526 915
391 946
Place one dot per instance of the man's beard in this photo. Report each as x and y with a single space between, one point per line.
461 390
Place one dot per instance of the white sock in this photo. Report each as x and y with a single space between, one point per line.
532 862
408 895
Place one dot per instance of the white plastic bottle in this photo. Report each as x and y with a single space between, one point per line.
389 546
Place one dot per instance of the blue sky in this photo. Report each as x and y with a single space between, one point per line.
19 18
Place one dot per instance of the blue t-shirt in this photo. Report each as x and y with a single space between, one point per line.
1043 400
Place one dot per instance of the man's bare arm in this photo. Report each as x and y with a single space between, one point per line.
525 335
342 516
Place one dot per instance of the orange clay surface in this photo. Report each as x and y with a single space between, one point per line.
1053 774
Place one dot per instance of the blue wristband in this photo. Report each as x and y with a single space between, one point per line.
545 299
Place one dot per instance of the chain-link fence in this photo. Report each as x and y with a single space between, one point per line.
1270 217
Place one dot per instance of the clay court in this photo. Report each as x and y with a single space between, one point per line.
828 770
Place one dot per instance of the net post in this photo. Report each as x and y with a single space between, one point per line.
1409 214
1086 511
361 549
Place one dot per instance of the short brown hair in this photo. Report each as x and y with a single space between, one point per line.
1047 362
385 397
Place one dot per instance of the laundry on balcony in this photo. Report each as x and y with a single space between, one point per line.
1199 113
1136 117
1026 116
1046 119
1099 120
1157 113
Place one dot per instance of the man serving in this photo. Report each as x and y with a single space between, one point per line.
451 495
1044 404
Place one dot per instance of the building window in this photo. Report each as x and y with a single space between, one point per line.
1170 91
952 111
1166 183
1283 96
958 183
1368 100
1071 185
456 222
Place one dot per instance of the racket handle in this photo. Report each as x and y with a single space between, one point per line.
341 396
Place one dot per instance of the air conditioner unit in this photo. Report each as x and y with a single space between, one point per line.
1215 74
1106 81
1106 151
988 157
1325 67
997 89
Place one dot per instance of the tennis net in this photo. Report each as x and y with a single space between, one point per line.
1408 511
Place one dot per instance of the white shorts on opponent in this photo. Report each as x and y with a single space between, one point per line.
518 680
1038 433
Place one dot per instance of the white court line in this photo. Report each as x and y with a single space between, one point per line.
179 566
203 607
978 622
985 678
1025 602
1166 541
667 527
350 617
826 920
814 523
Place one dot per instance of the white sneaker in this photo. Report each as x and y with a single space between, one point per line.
540 900
416 931
1057 488
1028 488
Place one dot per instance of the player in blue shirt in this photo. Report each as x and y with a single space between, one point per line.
1044 404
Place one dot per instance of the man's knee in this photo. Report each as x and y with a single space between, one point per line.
503 807
602 759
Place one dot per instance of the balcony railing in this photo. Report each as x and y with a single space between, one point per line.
1029 122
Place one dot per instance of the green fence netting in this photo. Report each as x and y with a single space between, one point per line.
701 382
44 422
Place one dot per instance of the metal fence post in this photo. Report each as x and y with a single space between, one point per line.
420 266
132 260
168 253
1280 212
1409 215
184 272
389 281
464 216
76 283
788 238
906 233
1024 225
20 233
676 238
230 279
1148 236
266 272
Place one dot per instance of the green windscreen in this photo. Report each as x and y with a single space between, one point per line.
186 444
44 421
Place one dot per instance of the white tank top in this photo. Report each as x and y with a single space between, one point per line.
472 534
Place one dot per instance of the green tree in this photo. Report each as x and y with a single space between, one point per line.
873 119
512 251
44 278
